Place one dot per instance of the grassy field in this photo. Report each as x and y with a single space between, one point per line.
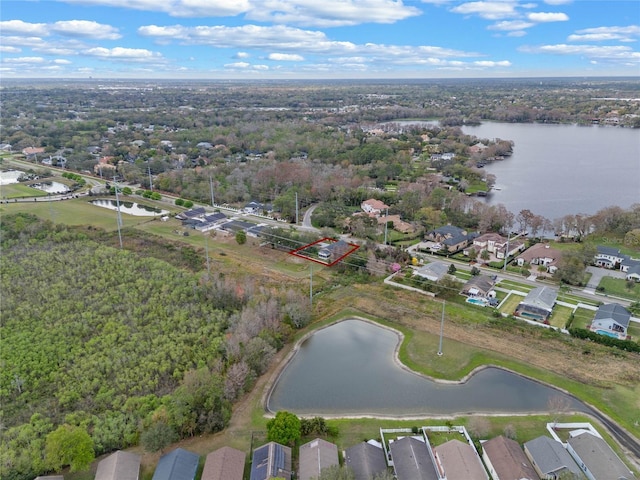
509 306
560 316
19 190
617 287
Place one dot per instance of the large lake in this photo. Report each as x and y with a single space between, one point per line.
557 170
349 369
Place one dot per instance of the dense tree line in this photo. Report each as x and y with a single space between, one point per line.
113 343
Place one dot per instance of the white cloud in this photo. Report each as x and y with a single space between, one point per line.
62 61
24 60
86 29
9 49
238 65
286 57
492 10
602 53
557 2
242 55
128 54
18 27
517 33
245 66
490 64
542 17
601 34
330 13
507 25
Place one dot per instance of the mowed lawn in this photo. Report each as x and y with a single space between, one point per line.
617 287
560 316
19 190
77 211
510 303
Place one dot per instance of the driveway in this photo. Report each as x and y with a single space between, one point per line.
598 273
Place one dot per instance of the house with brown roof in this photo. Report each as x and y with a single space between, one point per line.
119 465
373 206
315 456
226 463
505 460
540 254
459 461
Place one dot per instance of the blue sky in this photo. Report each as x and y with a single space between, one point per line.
316 39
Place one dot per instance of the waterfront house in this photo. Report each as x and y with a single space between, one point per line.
596 458
612 320
373 206
365 460
608 257
540 254
315 456
226 463
505 460
119 465
452 238
459 461
551 460
413 459
538 304
179 464
271 461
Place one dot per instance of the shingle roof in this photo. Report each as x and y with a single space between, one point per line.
484 283
551 457
613 311
226 463
608 250
460 461
432 270
508 459
599 458
365 460
178 464
541 297
412 460
119 465
316 455
271 460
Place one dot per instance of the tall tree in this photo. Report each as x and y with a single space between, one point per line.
284 428
69 445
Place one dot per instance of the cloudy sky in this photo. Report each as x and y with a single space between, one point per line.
288 39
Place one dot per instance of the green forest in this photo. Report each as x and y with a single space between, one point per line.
120 346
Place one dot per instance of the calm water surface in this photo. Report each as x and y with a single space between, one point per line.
130 208
557 170
348 368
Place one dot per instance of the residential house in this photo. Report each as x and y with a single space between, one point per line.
540 254
611 320
179 464
271 461
413 459
211 221
451 237
551 460
538 304
608 257
226 463
315 456
5 147
596 458
477 149
191 213
253 207
373 206
505 460
365 460
398 224
631 267
480 286
459 461
433 271
119 465
334 250
488 241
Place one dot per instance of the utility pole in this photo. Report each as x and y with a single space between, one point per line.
386 222
311 284
211 190
150 181
296 208
119 216
206 248
441 330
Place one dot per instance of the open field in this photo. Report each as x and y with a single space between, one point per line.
19 190
560 316
617 287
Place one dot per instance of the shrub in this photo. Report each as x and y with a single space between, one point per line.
179 202
187 204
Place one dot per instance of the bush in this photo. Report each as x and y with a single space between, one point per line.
179 202
187 204
605 340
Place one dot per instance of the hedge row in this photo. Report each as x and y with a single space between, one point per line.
627 345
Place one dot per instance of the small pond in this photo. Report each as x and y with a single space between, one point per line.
131 208
348 369
7 177
51 186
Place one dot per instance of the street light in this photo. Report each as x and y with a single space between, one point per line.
441 330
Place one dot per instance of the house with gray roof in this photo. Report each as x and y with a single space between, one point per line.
611 319
459 461
451 237
538 304
597 459
433 271
551 460
315 456
608 257
632 268
271 461
413 459
479 286
365 460
226 463
119 465
179 464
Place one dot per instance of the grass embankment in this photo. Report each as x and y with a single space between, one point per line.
19 190
618 287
